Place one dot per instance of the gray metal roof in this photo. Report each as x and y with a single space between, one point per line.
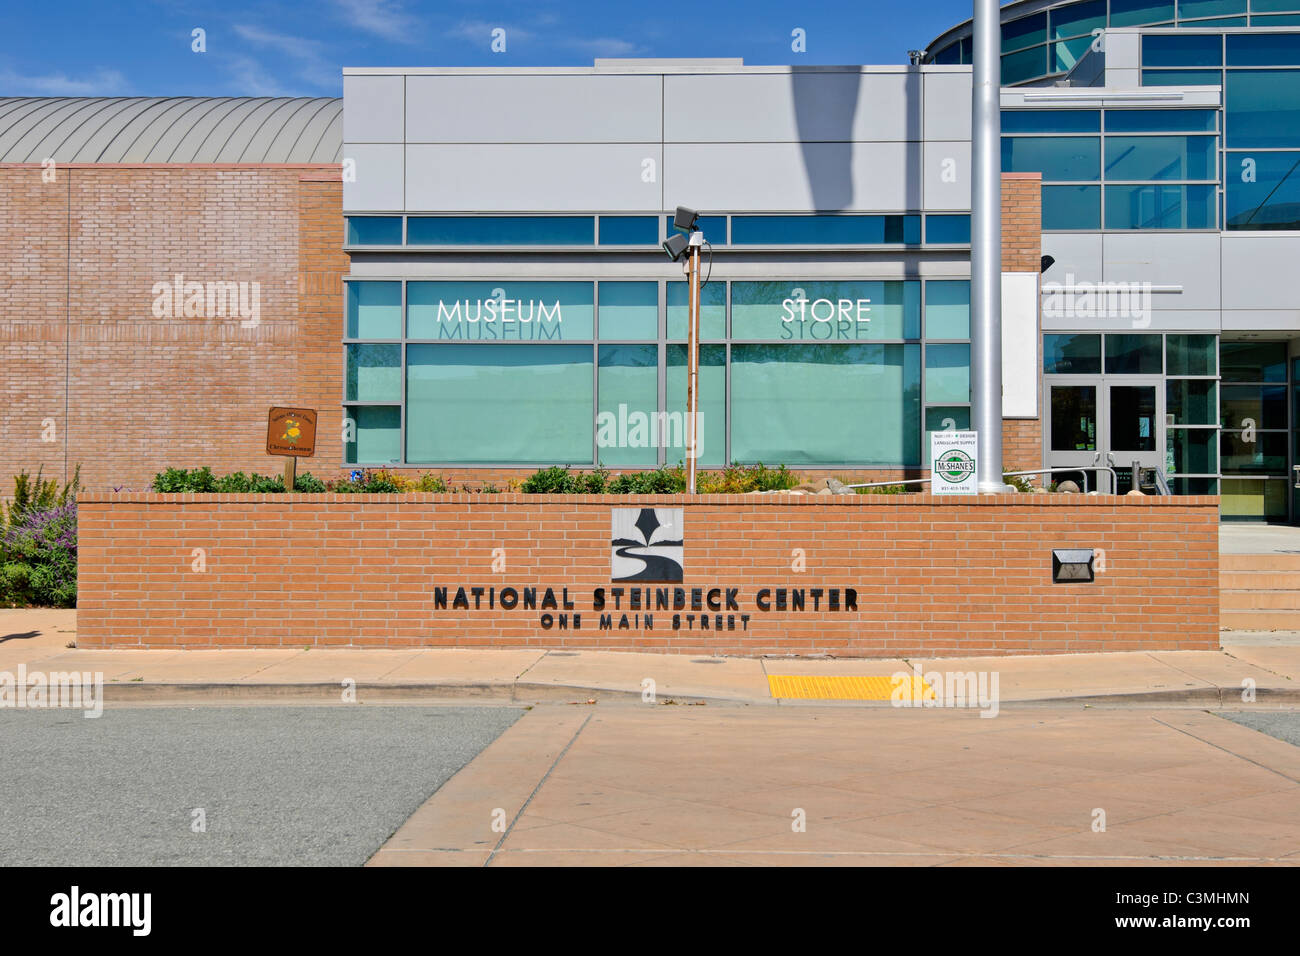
171 129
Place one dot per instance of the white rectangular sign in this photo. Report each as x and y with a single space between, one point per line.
953 457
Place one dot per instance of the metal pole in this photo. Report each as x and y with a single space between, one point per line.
986 245
693 369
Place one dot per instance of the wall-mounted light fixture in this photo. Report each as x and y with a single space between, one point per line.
1072 565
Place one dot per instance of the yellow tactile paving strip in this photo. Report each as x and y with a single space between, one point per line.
865 687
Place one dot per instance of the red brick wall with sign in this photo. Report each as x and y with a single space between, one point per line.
128 392
933 577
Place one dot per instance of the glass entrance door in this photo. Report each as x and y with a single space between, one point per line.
1073 429
1135 432
1095 422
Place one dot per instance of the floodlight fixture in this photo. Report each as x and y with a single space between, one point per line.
676 245
685 219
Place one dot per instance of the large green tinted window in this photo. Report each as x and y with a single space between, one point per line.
500 231
1263 108
1209 8
1191 401
1133 355
1195 450
1133 13
629 231
627 422
1061 158
947 373
374 373
629 310
1078 18
826 404
1263 49
507 404
376 436
1265 455
947 309
1191 355
374 231
1253 361
1182 77
1160 207
1191 49
824 230
1160 157
713 227
1068 354
1263 190
1067 53
374 310
1024 32
1265 405
825 311
1071 207
712 404
1051 121
1161 121
947 229
713 311
1024 65
500 311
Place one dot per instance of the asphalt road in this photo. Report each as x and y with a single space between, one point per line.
277 785
1282 724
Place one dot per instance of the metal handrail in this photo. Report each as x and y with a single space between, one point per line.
886 484
1006 474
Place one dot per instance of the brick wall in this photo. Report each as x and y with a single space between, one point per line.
1022 444
129 391
933 577
1022 249
1022 222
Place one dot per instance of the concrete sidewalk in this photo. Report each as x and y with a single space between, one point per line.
38 639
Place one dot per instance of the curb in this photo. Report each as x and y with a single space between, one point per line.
332 692
531 692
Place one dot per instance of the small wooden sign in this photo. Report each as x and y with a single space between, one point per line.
291 432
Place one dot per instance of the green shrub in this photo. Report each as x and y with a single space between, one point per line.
431 482
1019 482
743 479
662 481
890 490
38 558
38 494
307 483
551 481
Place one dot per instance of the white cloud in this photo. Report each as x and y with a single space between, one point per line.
383 18
311 62
292 46
101 83
251 78
480 31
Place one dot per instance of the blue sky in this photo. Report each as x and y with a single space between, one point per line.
288 47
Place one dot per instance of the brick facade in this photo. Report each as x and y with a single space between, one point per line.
98 380
1022 250
127 391
932 576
